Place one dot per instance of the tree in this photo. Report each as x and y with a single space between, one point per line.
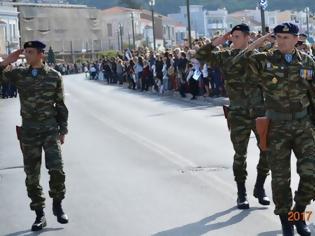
51 56
130 4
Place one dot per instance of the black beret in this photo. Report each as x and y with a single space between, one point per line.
34 44
242 27
286 28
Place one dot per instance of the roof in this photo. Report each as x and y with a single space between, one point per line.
22 4
119 10
245 19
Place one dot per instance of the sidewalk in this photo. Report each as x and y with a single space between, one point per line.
200 101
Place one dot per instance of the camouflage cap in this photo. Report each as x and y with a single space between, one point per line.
286 28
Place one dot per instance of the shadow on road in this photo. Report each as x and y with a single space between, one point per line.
29 232
203 226
270 233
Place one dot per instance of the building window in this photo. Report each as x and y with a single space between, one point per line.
272 21
109 30
14 31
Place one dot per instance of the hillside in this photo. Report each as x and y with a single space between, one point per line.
167 6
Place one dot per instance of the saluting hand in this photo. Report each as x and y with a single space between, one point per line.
257 43
12 57
222 39
62 138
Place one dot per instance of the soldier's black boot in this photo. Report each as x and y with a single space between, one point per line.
287 226
300 225
242 202
259 191
40 221
62 218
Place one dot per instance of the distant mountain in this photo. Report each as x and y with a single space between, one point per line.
172 6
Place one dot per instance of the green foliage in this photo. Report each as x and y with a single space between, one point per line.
130 4
108 54
51 59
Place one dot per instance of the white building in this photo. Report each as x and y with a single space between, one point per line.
216 21
296 17
169 31
9 29
198 19
115 17
70 30
253 18
180 34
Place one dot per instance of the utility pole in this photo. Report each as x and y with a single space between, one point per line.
118 39
152 4
129 43
263 4
121 36
133 30
307 11
188 21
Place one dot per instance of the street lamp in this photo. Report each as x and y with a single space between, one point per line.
152 4
307 11
129 44
188 19
8 47
118 39
121 34
263 4
133 30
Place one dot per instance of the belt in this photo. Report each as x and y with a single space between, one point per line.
273 115
239 103
32 122
248 102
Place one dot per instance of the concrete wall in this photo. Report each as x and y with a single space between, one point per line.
65 29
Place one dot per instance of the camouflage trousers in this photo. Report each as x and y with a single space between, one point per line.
284 137
241 124
33 142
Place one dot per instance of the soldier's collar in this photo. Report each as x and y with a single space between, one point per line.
298 54
46 68
295 53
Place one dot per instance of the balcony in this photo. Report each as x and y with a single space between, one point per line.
217 26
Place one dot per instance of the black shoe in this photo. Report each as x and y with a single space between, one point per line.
287 226
302 228
40 221
300 225
259 191
261 195
242 202
62 218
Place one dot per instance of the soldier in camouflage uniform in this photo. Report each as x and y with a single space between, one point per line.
44 126
246 104
287 77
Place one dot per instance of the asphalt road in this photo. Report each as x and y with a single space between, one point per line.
137 164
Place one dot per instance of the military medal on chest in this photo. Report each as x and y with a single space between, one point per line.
306 74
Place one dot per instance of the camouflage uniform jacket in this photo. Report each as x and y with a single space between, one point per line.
41 96
241 89
286 85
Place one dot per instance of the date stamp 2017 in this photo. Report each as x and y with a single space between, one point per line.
296 216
